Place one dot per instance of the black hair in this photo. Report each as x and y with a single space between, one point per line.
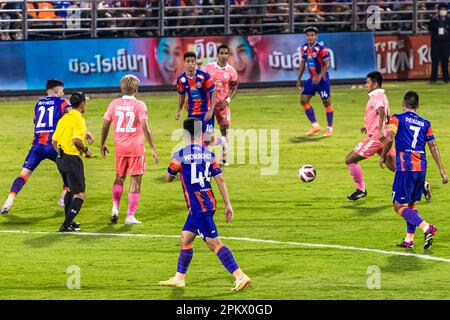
189 54
442 5
53 83
222 46
311 28
377 77
193 126
411 99
76 99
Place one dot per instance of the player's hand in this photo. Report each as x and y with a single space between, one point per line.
299 85
208 115
363 130
381 136
223 105
155 155
89 138
88 153
444 177
104 150
229 214
316 80
178 115
382 161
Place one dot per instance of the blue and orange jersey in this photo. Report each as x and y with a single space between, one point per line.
196 166
197 88
47 113
413 133
315 57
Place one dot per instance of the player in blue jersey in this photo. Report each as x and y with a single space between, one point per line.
411 133
199 87
196 165
317 59
47 113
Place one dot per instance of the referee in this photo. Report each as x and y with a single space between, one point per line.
68 140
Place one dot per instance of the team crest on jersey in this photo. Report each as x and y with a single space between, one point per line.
226 75
199 85
183 79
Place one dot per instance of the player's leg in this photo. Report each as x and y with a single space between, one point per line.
324 91
309 111
224 132
185 257
31 162
352 161
208 132
133 199
117 191
51 154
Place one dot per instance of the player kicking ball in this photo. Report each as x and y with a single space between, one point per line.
411 133
226 82
317 58
196 165
129 118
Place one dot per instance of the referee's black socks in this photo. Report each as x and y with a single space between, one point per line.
75 207
67 202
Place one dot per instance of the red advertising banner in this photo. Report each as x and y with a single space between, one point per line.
404 57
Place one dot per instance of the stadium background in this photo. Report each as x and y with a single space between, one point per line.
297 220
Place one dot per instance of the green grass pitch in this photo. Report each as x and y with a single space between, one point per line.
279 207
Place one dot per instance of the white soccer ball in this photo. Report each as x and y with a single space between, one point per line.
307 173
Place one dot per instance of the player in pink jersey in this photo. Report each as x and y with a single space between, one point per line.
225 79
129 116
376 116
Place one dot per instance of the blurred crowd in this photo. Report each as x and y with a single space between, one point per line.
133 18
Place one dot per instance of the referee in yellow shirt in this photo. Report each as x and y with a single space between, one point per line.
68 140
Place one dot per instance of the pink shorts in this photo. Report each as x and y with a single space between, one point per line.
223 116
369 147
134 166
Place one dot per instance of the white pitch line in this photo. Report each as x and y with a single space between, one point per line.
289 243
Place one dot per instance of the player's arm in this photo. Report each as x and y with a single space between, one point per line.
229 213
105 130
169 177
211 96
149 137
326 66
55 145
181 100
89 137
381 122
172 170
301 69
79 132
437 158
387 146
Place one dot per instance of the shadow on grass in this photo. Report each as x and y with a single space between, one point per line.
361 210
44 241
306 139
402 264
14 220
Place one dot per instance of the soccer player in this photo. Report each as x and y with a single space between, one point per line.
377 112
225 80
68 141
201 97
316 57
129 116
196 165
47 113
411 133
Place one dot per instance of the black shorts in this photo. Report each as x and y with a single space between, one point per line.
72 171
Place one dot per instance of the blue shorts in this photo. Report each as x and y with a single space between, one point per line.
408 186
207 126
323 88
38 153
202 223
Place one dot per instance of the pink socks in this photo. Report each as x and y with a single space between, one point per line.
116 195
133 201
356 173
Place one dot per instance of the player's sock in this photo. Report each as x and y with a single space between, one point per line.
18 185
411 216
75 207
133 201
410 228
329 111
226 257
356 173
185 258
117 195
309 110
67 201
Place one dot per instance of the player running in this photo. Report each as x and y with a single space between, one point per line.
317 59
377 113
201 97
47 113
411 133
225 80
129 116
196 165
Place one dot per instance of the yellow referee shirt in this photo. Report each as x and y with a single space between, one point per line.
70 126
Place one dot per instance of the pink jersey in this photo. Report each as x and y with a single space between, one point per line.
377 99
222 78
126 114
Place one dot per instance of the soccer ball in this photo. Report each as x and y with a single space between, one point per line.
307 173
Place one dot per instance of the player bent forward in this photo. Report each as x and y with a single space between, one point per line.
196 165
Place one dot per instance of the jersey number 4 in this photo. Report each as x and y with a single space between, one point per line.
121 117
201 176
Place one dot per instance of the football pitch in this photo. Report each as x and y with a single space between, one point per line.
295 240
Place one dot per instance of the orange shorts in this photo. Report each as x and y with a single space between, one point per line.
133 166
223 116
369 147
